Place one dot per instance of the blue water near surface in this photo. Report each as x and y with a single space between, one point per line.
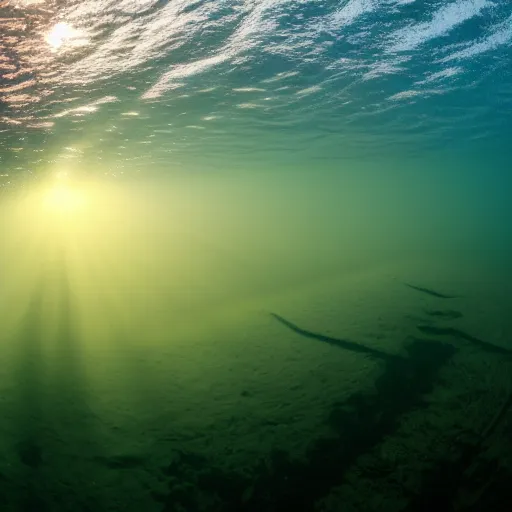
331 79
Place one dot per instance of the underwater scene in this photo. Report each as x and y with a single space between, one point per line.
255 255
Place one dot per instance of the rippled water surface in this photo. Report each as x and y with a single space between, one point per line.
165 80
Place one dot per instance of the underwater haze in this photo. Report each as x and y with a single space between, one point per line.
255 255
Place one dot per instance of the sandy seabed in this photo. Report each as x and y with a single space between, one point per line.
247 410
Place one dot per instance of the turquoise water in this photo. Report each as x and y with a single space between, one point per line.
208 207
266 81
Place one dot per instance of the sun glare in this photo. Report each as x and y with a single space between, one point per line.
59 34
62 198
63 33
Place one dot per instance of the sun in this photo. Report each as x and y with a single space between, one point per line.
59 34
